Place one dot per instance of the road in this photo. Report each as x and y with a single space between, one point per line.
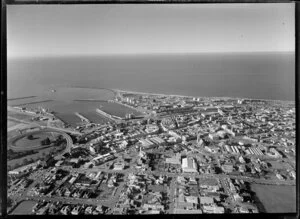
63 130
196 175
172 196
112 201
221 177
23 121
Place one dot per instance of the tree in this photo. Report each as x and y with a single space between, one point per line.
25 161
45 141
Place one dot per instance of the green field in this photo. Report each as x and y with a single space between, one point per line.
37 138
24 208
21 149
276 199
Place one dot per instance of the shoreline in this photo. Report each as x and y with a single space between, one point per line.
178 95
20 98
115 91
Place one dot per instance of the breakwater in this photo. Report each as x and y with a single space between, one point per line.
91 100
82 117
114 118
43 101
21 98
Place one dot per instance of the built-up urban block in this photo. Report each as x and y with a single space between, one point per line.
184 155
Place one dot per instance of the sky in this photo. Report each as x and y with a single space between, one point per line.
109 29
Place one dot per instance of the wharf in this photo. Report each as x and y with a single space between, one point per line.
21 98
82 117
107 115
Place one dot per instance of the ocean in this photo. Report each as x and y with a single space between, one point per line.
245 75
257 76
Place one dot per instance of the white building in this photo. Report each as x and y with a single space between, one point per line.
241 159
151 128
189 165
92 150
213 209
119 166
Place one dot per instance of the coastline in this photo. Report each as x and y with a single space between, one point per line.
178 95
116 91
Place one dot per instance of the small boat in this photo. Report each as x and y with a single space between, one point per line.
53 90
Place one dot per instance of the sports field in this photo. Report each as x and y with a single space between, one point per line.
36 139
24 208
276 199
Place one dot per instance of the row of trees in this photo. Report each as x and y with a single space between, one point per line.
47 140
26 161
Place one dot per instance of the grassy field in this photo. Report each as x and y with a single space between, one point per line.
24 208
276 199
37 138
26 143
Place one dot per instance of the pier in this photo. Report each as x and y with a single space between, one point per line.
21 98
91 100
35 102
82 117
114 118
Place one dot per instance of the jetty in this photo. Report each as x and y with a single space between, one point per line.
91 100
82 117
21 98
114 118
35 102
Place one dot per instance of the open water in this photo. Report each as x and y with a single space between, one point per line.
245 75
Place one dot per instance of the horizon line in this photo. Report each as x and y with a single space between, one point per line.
143 54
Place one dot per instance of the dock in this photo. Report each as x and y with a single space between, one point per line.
21 98
82 117
34 102
114 118
91 100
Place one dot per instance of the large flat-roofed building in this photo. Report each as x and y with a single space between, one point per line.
189 165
